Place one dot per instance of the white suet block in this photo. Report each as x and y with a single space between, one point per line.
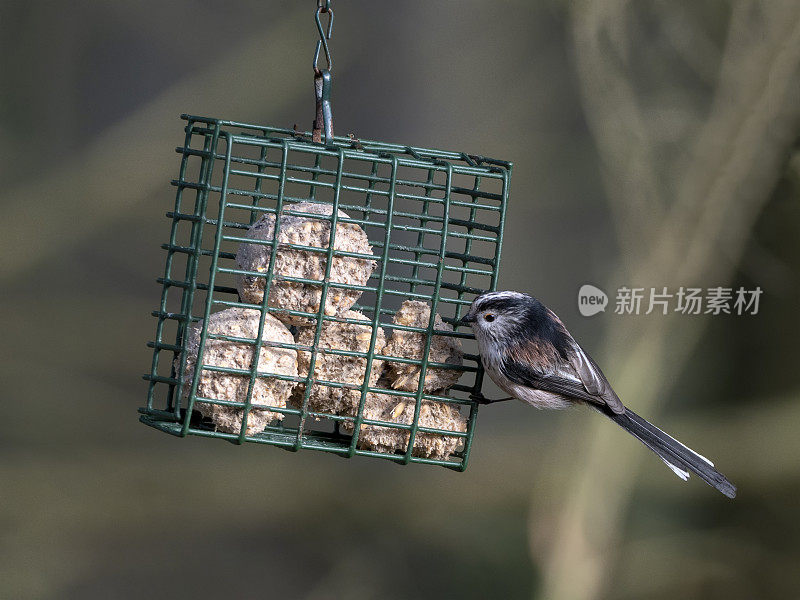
306 231
338 368
396 409
409 344
241 323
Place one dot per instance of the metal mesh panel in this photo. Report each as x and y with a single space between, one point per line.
433 218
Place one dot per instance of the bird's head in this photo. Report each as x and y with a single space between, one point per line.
500 315
506 322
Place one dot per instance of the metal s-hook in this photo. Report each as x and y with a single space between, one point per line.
323 6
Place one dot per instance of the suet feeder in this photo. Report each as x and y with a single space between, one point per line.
425 225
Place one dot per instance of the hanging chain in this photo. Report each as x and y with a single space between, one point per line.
322 77
323 6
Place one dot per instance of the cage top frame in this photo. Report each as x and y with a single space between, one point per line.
470 164
377 152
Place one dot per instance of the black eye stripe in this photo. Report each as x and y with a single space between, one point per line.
498 304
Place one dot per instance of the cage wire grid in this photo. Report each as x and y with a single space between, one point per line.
434 219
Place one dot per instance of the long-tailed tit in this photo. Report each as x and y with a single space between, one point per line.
528 352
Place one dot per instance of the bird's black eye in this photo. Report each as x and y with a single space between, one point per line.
488 317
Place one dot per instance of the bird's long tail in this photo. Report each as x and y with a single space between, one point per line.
677 457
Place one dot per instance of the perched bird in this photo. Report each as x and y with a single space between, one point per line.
528 352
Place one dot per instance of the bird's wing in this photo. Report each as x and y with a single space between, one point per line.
593 379
523 373
587 371
581 366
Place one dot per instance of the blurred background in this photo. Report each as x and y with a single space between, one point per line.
655 145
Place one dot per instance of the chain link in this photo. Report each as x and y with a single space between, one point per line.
323 6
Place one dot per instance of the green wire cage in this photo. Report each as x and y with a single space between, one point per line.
434 223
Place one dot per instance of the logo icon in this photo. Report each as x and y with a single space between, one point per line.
591 300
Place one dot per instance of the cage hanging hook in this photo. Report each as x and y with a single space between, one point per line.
322 77
324 119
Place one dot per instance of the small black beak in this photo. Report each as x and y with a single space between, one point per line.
467 319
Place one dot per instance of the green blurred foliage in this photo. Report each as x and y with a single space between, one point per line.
604 107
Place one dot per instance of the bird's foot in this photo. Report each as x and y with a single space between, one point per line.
481 399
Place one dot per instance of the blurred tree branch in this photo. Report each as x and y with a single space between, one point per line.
616 121
733 165
134 159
